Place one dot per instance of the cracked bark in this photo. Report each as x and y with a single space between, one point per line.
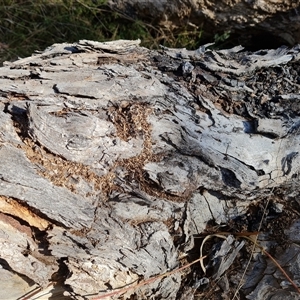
254 24
114 157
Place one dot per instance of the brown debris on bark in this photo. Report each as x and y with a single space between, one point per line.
115 159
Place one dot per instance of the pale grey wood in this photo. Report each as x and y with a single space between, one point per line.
115 157
20 181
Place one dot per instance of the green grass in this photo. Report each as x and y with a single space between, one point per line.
26 26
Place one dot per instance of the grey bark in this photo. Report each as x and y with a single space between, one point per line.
114 157
250 22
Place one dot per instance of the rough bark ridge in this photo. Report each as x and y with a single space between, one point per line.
265 22
114 157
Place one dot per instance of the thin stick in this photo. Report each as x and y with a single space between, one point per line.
252 251
150 280
34 292
275 262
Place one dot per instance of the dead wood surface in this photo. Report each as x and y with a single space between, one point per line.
116 160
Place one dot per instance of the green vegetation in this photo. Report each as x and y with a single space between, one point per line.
26 26
221 38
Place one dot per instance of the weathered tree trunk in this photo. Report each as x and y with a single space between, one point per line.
114 157
265 23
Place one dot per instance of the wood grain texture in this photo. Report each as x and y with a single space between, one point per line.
116 157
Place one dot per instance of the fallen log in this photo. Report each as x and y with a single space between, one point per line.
115 159
254 24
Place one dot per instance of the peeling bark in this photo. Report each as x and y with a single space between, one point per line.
114 158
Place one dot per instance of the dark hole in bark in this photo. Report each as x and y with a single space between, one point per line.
229 178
